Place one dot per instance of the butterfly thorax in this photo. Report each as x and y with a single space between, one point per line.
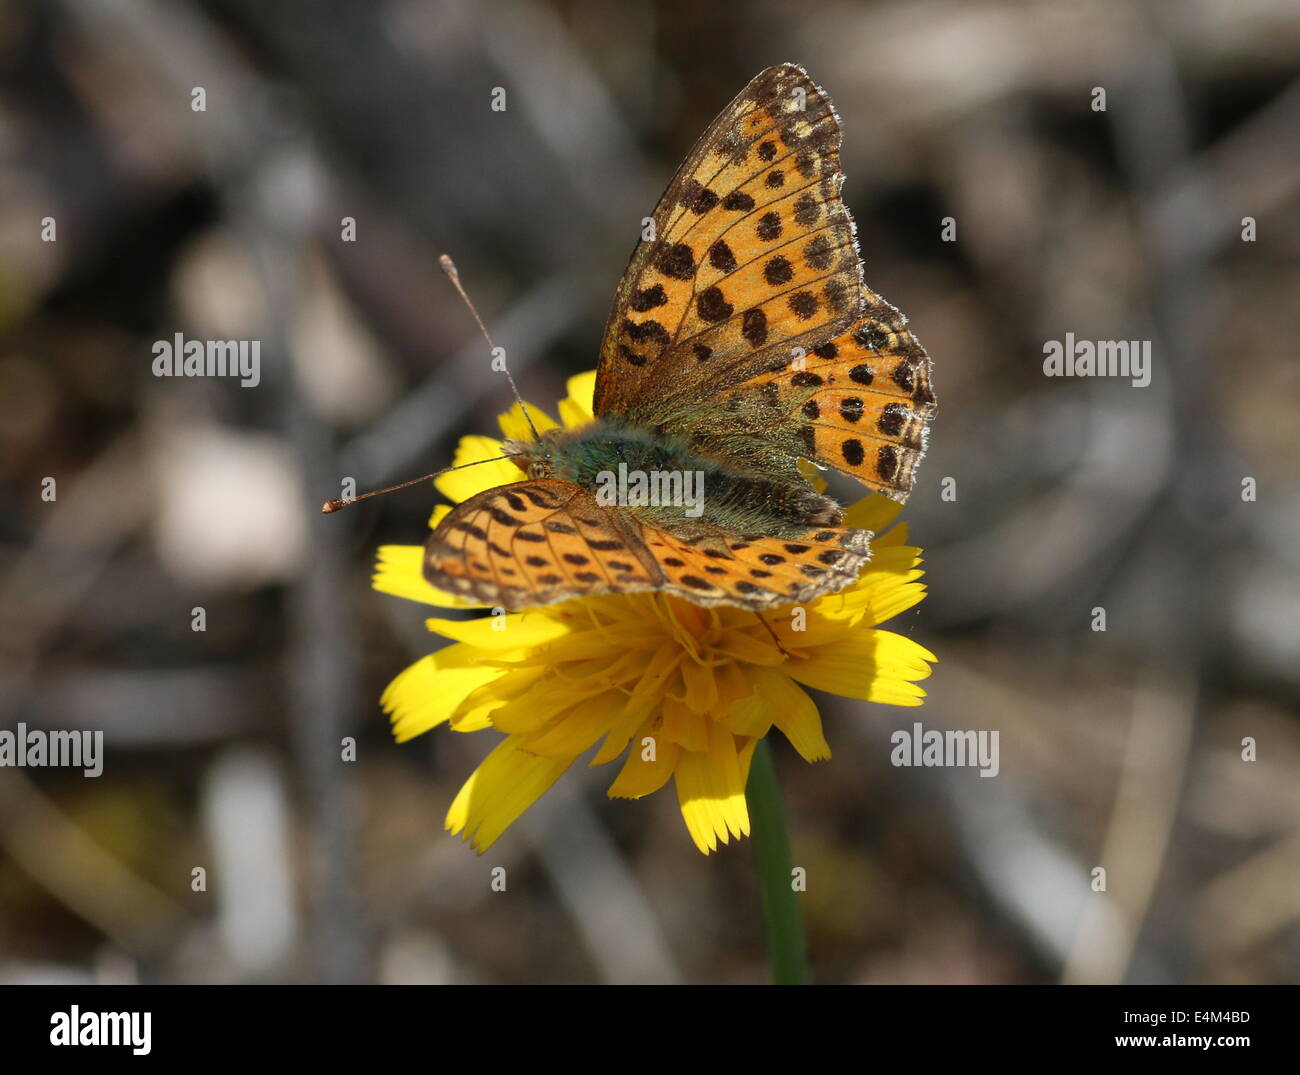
664 480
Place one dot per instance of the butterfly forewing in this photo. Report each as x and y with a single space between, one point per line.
752 253
535 542
744 325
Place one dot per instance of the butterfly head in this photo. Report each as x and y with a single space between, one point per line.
534 458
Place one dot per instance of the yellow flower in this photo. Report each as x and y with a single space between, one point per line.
680 692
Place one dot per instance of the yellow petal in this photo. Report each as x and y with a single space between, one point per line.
475 718
701 686
887 588
548 699
734 684
646 698
399 571
577 728
711 792
622 730
586 642
876 666
896 600
743 711
683 726
897 536
514 426
507 783
440 512
749 716
460 485
645 771
874 513
897 653
517 631
745 756
578 407
793 712
426 693
892 560
812 475
752 646
475 711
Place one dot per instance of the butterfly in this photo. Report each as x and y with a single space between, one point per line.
742 339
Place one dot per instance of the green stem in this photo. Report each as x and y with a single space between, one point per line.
786 953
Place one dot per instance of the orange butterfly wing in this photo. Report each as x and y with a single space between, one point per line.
860 402
725 321
752 249
533 543
755 571
537 542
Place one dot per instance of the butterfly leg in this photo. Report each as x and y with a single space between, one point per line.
768 627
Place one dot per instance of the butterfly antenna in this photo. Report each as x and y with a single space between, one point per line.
449 267
331 506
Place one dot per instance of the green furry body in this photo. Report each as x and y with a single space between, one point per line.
733 500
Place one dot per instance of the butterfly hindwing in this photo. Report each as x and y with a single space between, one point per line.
533 543
537 542
860 402
712 567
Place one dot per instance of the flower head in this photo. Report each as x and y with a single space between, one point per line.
678 692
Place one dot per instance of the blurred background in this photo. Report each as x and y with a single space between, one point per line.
1120 749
